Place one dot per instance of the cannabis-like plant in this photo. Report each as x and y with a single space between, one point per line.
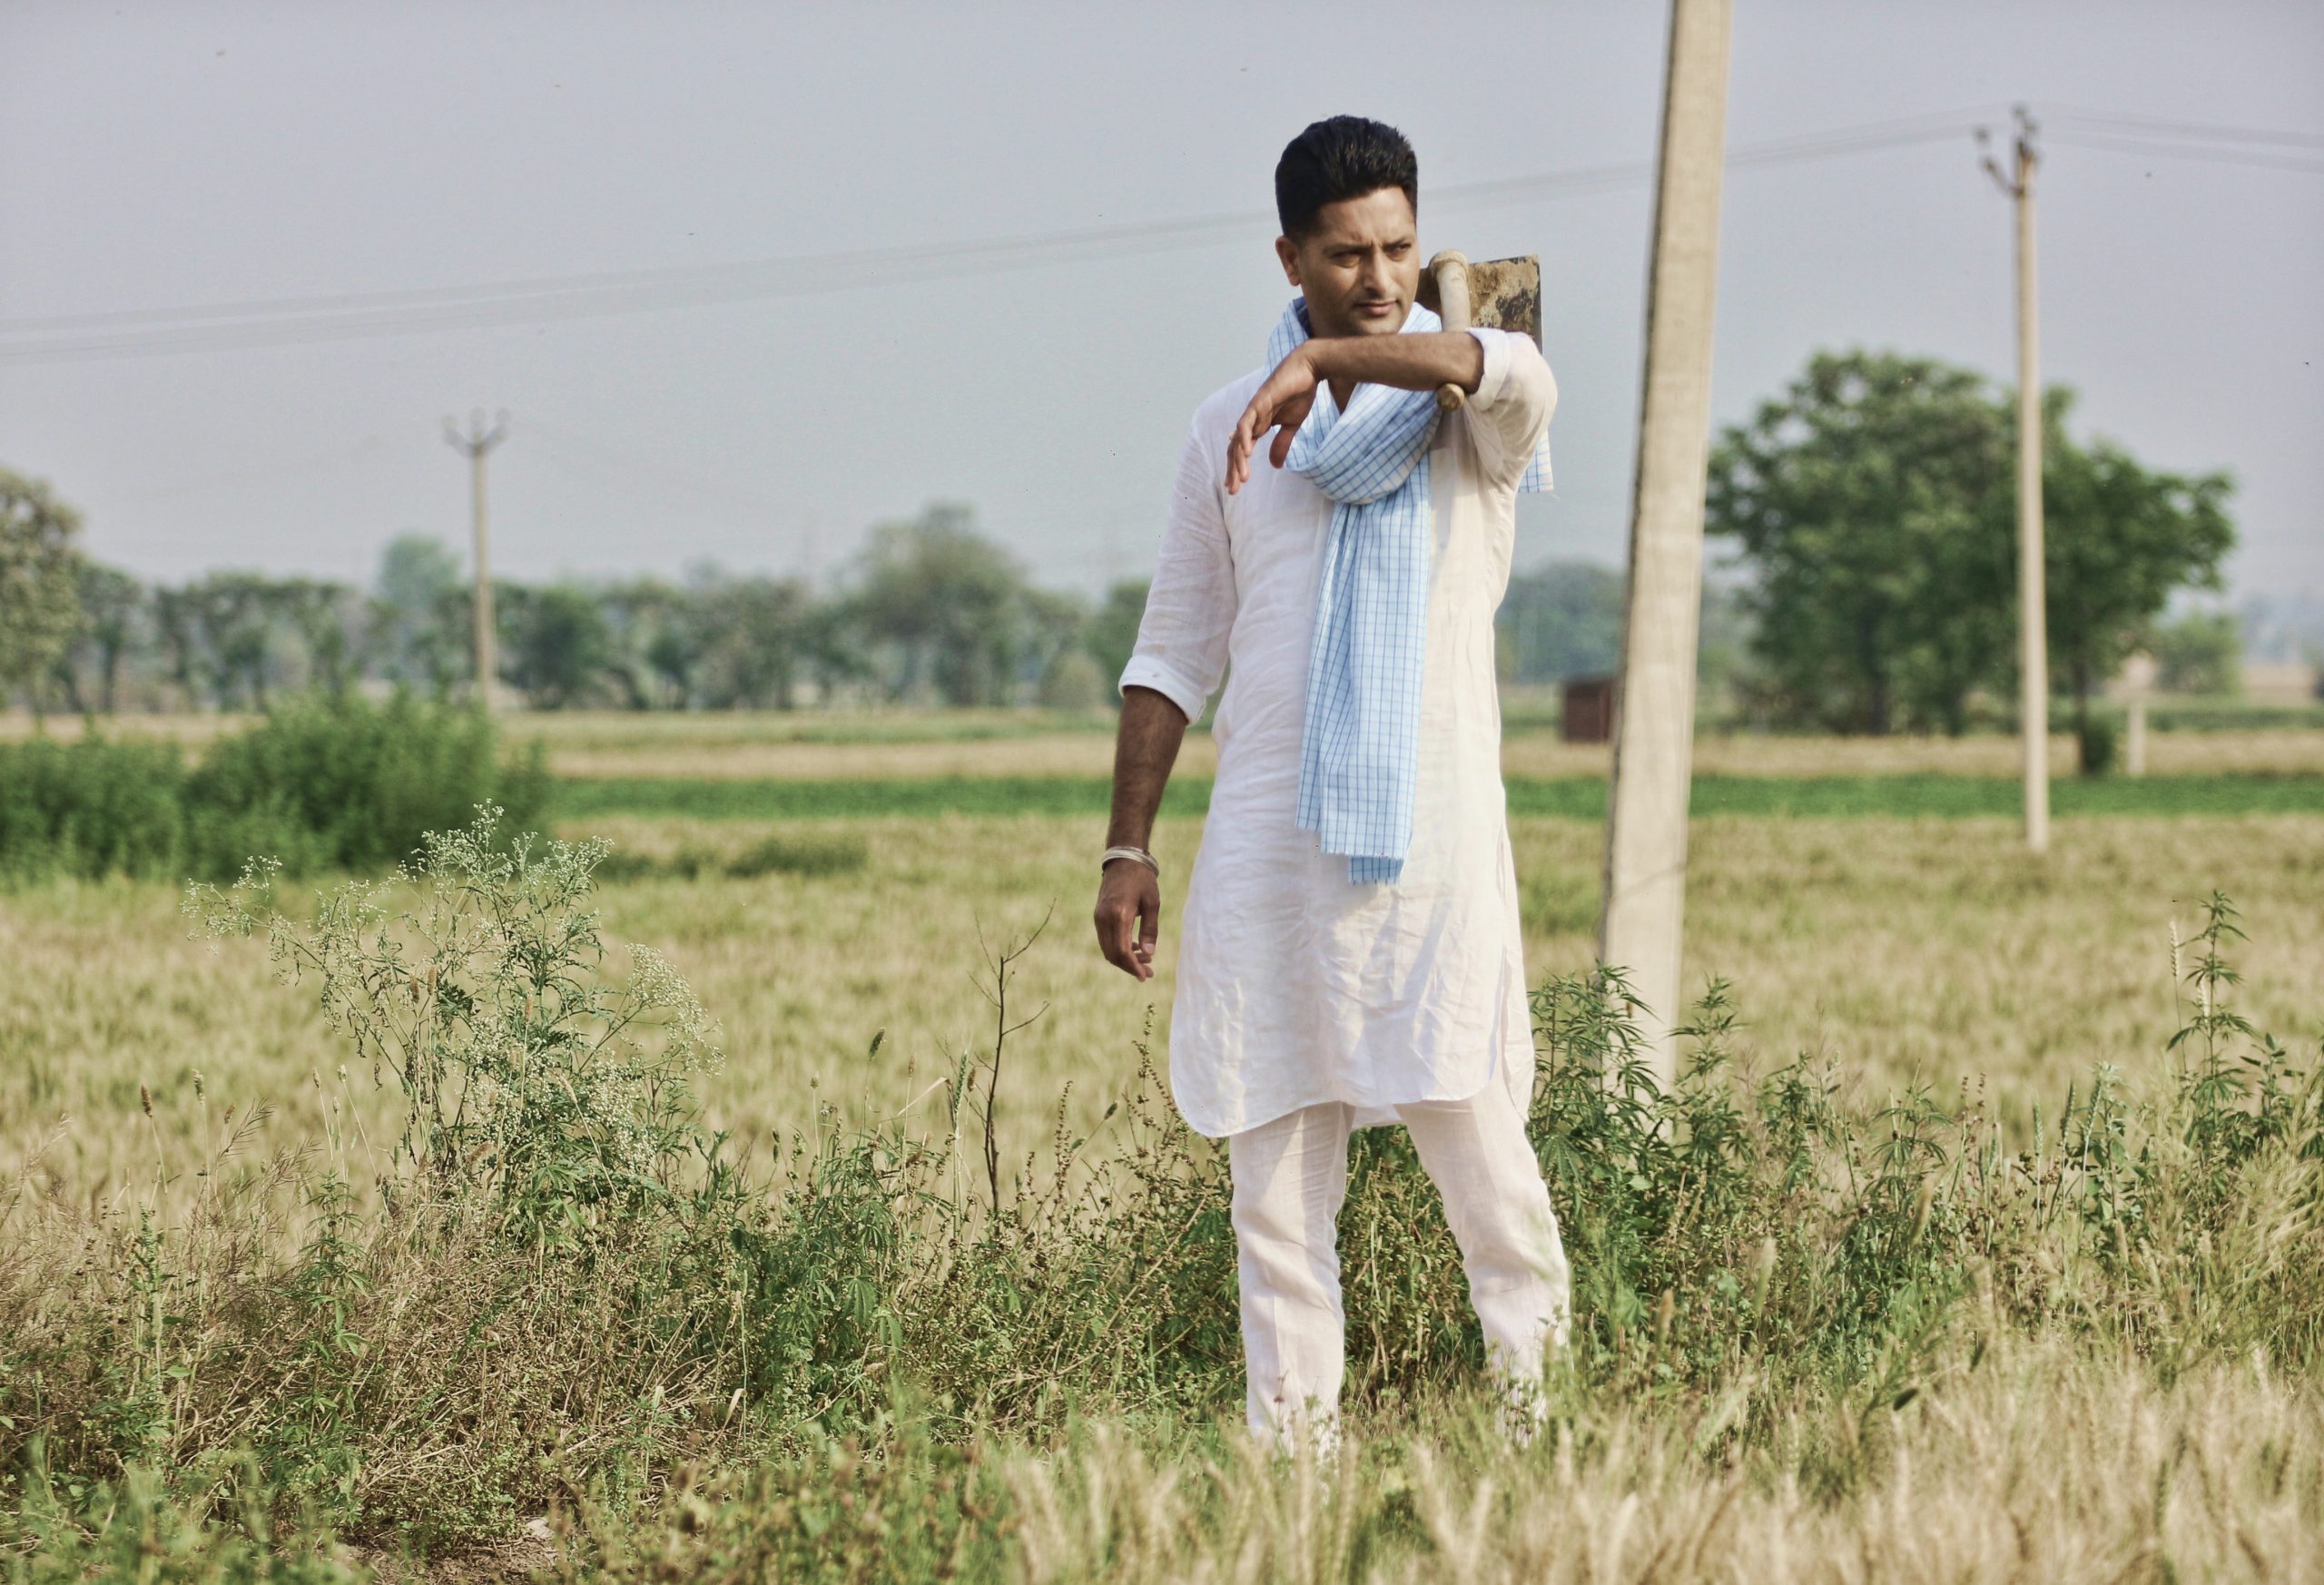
533 1078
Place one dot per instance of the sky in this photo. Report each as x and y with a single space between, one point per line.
173 156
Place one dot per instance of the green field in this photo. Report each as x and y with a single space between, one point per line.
1563 798
2041 1339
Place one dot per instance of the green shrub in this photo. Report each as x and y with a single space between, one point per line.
346 784
2098 740
321 784
94 808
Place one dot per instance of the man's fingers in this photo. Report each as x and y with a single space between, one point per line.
1110 934
1116 919
1280 452
1149 925
1125 939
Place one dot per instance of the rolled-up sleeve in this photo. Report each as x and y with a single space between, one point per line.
1510 410
1181 650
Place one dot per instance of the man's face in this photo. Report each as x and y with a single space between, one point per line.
1359 266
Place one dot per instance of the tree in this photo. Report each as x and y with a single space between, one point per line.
178 624
650 625
1112 632
2119 541
1073 682
753 636
950 602
1056 625
111 604
236 614
1872 503
423 636
1562 620
1875 507
562 647
2200 653
40 602
328 617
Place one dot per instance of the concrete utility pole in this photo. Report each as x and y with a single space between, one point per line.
2033 617
477 444
1642 927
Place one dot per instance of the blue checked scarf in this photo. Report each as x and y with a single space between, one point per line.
1360 759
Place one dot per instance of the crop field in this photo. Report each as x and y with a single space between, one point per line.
2045 1337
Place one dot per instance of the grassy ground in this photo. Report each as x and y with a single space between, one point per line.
1904 948
2083 1404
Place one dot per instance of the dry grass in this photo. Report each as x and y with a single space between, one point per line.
1934 949
1906 948
2033 1466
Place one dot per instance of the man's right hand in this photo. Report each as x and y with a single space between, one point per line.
1129 916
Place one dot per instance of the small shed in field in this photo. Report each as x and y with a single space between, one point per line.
1586 710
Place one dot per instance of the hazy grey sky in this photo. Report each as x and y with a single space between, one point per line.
192 152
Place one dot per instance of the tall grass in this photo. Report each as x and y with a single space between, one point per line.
562 1290
321 784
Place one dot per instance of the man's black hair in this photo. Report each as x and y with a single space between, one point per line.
1342 158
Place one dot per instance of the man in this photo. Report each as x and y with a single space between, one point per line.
1351 954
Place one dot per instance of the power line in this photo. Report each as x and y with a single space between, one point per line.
2103 120
351 316
2212 155
283 321
848 262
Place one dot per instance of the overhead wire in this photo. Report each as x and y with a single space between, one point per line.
1843 139
347 315
2168 151
282 321
2105 120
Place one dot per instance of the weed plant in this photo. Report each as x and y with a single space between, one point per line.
565 1292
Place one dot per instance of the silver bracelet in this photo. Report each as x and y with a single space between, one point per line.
1140 854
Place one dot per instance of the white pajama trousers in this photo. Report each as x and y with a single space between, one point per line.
1290 1180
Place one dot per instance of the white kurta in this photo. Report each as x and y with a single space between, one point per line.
1296 987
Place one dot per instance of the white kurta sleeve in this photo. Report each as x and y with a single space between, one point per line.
1181 650
1511 407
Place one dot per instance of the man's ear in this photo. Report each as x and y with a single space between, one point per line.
1288 251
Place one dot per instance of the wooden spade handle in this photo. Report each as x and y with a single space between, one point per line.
1451 271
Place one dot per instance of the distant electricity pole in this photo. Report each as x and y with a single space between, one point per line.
477 444
1642 927
2033 642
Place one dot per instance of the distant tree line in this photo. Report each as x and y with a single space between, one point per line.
1871 507
932 612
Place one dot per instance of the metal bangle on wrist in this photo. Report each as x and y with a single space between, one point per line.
1140 854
